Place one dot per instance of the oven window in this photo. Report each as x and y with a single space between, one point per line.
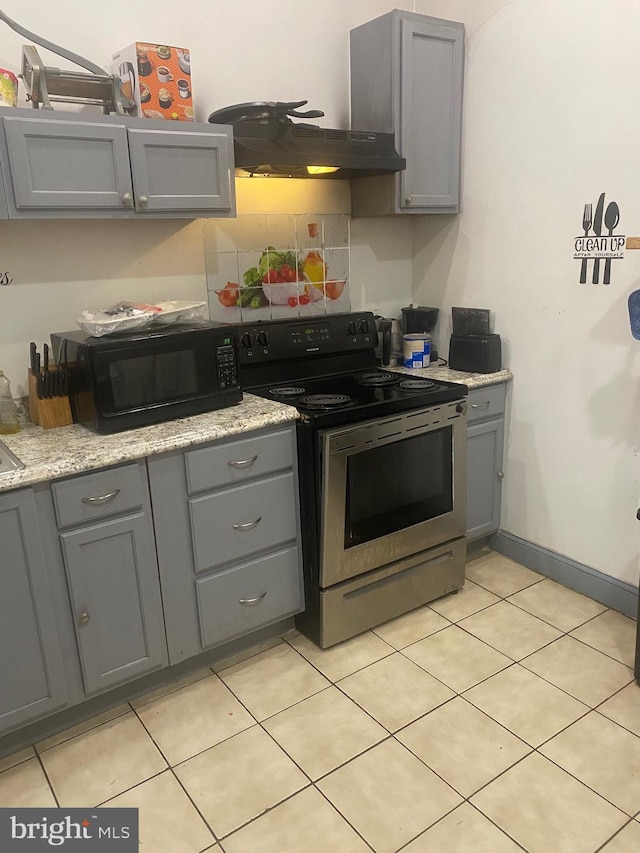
397 485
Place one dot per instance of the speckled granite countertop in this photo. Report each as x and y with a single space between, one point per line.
51 453
471 380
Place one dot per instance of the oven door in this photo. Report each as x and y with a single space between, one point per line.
391 488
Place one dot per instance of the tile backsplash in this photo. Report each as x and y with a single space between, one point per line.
269 266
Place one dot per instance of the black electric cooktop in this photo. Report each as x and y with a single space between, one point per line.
326 367
362 395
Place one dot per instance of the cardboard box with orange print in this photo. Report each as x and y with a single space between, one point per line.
155 80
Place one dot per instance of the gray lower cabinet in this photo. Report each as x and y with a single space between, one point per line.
227 532
485 449
407 79
112 575
59 165
31 665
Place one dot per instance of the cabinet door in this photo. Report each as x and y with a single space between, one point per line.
485 444
182 170
431 68
70 168
115 597
33 682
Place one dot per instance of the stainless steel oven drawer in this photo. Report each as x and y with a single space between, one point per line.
355 606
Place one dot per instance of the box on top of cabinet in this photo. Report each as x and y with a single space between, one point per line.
155 80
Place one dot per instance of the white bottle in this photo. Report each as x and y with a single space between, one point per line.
8 410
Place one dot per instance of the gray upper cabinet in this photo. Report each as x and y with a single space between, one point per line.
185 170
33 681
485 449
66 165
407 79
112 575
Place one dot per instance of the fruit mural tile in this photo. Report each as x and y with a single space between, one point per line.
222 268
341 298
280 268
219 235
335 231
281 232
252 233
337 261
229 314
309 231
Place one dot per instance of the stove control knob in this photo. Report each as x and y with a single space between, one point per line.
246 340
261 339
461 407
351 327
363 327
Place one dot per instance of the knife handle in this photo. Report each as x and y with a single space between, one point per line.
583 271
607 271
596 272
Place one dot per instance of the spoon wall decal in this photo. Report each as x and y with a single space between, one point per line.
611 219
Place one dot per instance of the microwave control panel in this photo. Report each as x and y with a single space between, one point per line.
227 364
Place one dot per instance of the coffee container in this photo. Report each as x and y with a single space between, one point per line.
417 350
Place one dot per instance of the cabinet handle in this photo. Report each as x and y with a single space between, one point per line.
251 602
144 200
83 620
248 525
481 405
127 199
501 475
242 463
100 500
408 199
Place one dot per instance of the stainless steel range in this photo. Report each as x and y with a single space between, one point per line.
382 468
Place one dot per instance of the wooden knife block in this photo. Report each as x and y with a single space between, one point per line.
53 412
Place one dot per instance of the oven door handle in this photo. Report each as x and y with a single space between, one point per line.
248 525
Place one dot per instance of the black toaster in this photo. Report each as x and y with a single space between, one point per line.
475 353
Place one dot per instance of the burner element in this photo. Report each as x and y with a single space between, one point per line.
374 377
286 391
324 401
417 384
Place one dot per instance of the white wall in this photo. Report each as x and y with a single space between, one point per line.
549 124
241 50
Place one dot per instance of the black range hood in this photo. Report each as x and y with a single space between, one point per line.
267 142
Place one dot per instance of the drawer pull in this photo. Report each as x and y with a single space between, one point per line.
242 463
481 405
251 602
248 525
83 620
101 500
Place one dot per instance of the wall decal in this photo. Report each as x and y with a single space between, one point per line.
4 278
596 246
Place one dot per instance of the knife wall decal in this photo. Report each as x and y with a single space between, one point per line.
597 230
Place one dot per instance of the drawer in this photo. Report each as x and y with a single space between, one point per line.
224 464
241 599
236 523
91 496
486 402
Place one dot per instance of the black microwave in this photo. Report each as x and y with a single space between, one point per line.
134 379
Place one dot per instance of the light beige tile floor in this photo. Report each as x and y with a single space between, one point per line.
500 719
